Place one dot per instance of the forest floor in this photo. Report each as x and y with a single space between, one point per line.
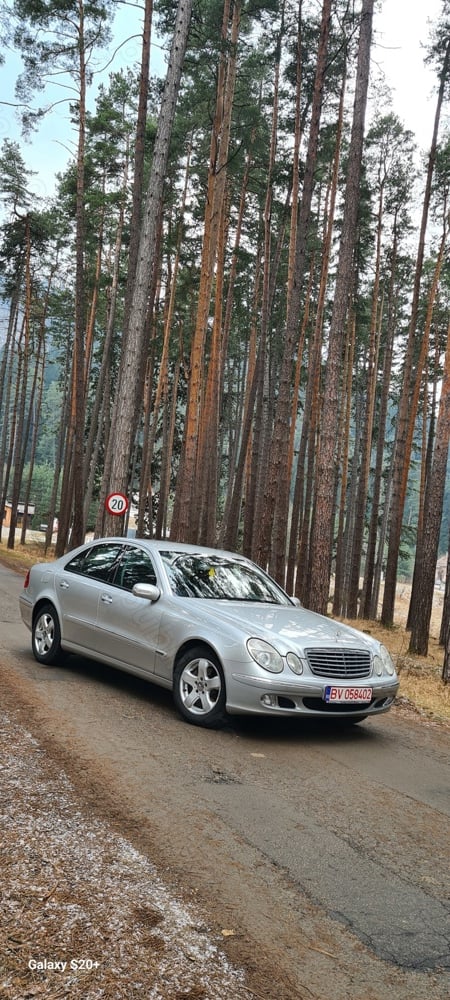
421 685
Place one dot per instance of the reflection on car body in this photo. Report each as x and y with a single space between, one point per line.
208 624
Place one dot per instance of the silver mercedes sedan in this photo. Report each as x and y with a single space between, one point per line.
208 624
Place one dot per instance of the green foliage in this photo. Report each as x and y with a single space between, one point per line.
438 49
14 178
56 45
41 491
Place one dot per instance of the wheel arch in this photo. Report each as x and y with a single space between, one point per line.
194 643
40 604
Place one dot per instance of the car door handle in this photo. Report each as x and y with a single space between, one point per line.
64 585
106 599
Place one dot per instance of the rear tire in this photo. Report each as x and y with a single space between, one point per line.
46 635
199 688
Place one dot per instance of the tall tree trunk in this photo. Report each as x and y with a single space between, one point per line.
184 520
366 451
234 435
100 399
428 438
139 158
428 540
19 450
230 530
339 578
276 501
325 480
406 414
66 495
402 480
314 371
60 446
369 600
169 421
37 390
260 544
208 442
126 407
7 378
79 360
34 411
160 397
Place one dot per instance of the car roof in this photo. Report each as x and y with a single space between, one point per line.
167 545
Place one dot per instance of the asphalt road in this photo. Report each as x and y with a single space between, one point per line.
326 851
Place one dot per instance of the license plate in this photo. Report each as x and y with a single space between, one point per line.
348 694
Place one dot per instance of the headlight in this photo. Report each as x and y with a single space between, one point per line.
378 665
265 655
382 663
387 661
294 662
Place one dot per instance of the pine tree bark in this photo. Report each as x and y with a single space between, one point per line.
276 500
139 157
208 442
161 392
369 600
299 538
126 408
367 434
339 578
79 357
325 480
428 541
21 396
185 519
406 414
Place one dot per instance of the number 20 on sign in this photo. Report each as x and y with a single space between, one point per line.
116 503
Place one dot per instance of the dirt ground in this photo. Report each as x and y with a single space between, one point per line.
87 912
70 877
134 937
421 686
85 915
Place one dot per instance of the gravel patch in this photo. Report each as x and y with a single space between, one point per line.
84 913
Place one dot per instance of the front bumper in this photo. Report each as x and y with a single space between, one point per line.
276 695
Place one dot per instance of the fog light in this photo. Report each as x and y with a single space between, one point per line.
269 700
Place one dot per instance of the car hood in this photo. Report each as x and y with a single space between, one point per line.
289 627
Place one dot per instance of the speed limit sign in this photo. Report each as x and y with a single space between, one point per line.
116 503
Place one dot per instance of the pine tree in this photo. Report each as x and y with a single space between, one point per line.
325 477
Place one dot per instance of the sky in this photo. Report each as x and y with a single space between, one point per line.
52 146
399 30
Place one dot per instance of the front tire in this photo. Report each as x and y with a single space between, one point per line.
199 688
46 635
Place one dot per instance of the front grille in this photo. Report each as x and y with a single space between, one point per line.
339 663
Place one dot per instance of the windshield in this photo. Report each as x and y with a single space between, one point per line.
219 578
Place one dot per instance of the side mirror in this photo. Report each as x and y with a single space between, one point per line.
147 590
296 602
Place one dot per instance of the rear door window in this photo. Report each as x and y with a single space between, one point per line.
98 563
